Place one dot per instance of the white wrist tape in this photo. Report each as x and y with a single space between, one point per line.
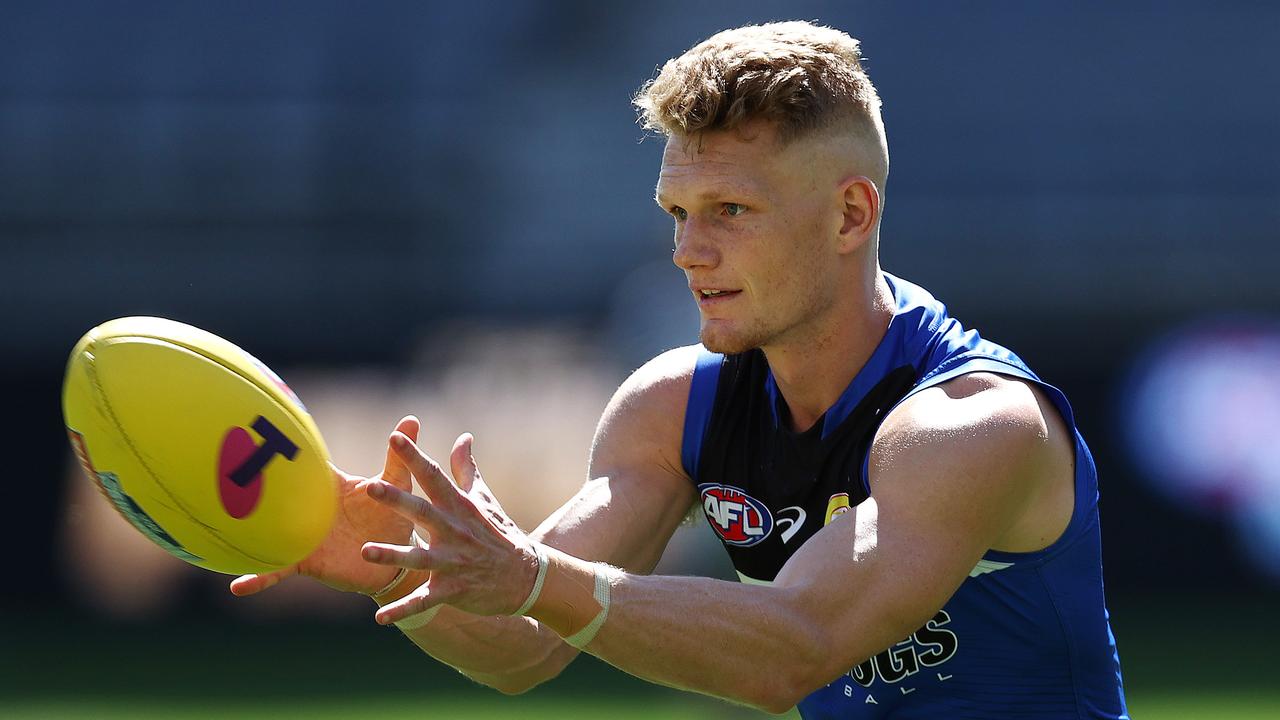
413 622
538 581
604 581
377 594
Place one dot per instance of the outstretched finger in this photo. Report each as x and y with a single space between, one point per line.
430 476
418 601
463 463
414 557
394 470
246 585
463 460
407 505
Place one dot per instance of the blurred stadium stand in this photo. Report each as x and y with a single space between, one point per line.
327 183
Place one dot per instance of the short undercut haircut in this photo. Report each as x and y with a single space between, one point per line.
804 78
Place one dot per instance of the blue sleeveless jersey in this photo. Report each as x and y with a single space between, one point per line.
1025 636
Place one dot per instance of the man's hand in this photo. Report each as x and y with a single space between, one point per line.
337 562
479 560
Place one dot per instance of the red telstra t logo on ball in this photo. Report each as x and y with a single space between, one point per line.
241 462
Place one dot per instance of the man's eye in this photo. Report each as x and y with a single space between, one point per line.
679 213
734 209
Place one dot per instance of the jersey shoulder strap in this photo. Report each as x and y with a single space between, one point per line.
697 417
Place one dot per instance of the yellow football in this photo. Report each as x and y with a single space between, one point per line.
198 445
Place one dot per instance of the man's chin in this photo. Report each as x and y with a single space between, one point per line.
725 343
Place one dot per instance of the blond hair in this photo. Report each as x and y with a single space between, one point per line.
802 77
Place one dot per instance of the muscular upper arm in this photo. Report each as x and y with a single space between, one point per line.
636 492
952 470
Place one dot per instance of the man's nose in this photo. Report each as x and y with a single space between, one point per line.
693 248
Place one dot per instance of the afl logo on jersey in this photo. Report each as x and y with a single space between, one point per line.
737 518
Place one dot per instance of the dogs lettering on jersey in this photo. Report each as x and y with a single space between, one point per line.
737 518
927 647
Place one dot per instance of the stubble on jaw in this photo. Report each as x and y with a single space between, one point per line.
731 343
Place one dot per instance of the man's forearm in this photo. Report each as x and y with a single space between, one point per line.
510 654
738 642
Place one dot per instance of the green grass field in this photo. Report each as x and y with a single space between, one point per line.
1171 706
373 707
1182 660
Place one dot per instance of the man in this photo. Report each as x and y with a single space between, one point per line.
911 511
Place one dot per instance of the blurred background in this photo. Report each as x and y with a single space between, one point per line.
444 208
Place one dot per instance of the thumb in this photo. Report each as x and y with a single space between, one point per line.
394 470
463 463
342 476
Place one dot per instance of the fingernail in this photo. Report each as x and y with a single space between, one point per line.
376 490
373 553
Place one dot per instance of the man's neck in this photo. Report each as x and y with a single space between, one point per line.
812 374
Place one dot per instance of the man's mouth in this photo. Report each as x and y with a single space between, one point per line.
708 296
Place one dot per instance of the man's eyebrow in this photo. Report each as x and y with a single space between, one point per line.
713 193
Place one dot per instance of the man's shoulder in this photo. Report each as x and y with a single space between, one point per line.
982 420
664 378
642 427
651 401
986 452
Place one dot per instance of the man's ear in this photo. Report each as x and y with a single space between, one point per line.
861 210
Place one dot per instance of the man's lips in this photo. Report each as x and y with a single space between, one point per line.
708 297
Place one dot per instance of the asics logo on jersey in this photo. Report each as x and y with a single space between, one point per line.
737 518
790 525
